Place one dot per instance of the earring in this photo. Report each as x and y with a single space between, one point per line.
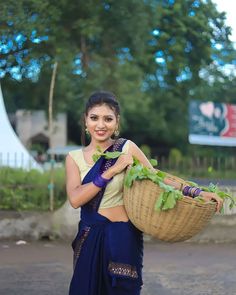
86 131
117 132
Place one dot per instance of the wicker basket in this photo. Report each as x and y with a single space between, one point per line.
182 222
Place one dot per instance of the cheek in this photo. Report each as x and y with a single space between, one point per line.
112 126
89 123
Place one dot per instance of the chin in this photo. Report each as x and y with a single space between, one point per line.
102 139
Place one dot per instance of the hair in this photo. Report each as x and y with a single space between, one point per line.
103 97
99 98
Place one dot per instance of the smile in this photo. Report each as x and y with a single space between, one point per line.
100 132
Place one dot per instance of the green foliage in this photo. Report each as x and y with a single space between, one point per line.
106 155
224 195
146 150
116 49
168 198
28 190
175 155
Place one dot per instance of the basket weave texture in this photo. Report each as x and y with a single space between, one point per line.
181 223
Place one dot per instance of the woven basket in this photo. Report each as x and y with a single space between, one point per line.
181 223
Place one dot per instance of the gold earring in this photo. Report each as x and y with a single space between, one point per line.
117 132
86 131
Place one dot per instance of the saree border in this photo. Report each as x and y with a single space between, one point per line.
123 270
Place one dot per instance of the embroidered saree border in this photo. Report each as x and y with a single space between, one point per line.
122 269
79 245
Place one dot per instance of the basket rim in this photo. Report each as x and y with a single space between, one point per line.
185 199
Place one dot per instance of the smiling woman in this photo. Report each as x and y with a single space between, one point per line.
103 263
108 249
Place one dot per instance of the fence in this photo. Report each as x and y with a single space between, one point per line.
199 169
186 165
19 160
30 189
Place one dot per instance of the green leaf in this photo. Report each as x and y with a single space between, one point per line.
161 174
170 195
170 201
96 157
159 202
153 162
112 155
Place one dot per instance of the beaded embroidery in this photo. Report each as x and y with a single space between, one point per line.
79 245
122 269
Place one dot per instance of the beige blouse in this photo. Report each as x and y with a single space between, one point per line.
113 195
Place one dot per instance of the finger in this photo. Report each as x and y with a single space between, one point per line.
217 208
219 204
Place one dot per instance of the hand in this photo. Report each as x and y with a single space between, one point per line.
208 196
122 162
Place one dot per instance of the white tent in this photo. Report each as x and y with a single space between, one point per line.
12 151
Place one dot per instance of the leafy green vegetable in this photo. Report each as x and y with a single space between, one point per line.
153 162
107 155
168 198
223 195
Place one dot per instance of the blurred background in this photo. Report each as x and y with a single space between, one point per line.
170 63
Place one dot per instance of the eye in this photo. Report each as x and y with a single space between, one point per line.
93 118
108 119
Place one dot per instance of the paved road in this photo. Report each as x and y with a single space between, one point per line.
44 268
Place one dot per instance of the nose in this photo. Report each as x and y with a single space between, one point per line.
100 124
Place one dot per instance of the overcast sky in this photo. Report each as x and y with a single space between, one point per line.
229 7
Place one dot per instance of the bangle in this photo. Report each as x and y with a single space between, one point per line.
187 190
197 192
191 191
100 181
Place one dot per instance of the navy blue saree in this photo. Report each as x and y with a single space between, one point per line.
107 255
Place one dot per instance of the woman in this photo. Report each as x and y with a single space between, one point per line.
108 249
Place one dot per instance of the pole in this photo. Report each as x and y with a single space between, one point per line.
50 127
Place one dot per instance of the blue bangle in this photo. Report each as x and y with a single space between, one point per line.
100 181
186 190
191 191
197 192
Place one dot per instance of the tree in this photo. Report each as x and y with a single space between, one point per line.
150 53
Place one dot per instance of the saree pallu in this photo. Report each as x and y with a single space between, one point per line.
108 255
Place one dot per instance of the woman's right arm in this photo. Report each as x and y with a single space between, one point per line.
78 194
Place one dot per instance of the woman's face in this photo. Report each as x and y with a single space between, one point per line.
101 122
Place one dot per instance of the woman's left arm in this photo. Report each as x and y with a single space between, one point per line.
135 151
208 196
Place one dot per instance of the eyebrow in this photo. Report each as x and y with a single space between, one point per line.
111 115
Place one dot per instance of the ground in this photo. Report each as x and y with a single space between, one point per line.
45 268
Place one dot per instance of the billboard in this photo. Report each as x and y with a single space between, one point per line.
212 123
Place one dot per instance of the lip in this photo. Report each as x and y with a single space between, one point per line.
100 132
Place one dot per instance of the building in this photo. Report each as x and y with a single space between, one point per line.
32 129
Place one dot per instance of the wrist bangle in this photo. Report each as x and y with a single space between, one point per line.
100 181
191 191
197 192
187 190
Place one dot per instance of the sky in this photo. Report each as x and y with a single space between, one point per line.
229 7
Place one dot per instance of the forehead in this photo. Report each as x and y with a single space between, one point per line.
101 110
